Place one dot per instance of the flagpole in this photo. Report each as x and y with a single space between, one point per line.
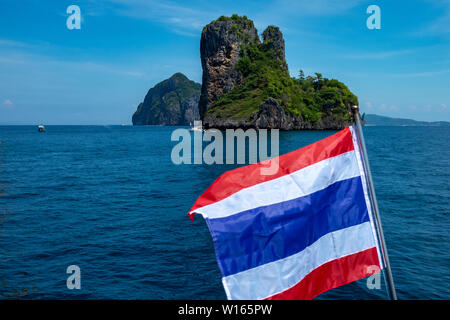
373 198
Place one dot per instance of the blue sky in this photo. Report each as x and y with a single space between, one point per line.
98 75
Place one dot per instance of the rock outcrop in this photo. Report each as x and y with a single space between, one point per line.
273 40
246 83
220 47
171 102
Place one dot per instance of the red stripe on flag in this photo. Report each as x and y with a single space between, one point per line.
331 275
235 180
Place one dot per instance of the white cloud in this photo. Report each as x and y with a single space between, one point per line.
179 18
189 17
381 107
317 7
394 108
12 43
379 55
384 108
26 57
8 103
420 74
441 24
369 105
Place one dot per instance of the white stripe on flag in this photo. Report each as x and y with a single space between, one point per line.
303 182
275 277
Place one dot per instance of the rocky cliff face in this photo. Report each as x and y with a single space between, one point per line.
220 47
171 102
273 40
272 116
246 83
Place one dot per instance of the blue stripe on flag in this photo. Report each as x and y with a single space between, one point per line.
265 234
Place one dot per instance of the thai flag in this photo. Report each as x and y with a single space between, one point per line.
298 233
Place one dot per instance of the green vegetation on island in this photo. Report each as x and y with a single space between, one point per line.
265 75
173 101
246 84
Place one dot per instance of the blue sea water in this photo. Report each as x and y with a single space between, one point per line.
110 200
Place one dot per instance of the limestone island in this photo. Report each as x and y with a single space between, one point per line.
246 84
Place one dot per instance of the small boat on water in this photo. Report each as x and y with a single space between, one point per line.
41 128
197 126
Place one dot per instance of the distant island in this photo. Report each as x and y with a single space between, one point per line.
246 84
376 120
173 101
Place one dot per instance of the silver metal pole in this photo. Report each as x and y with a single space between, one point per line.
373 198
